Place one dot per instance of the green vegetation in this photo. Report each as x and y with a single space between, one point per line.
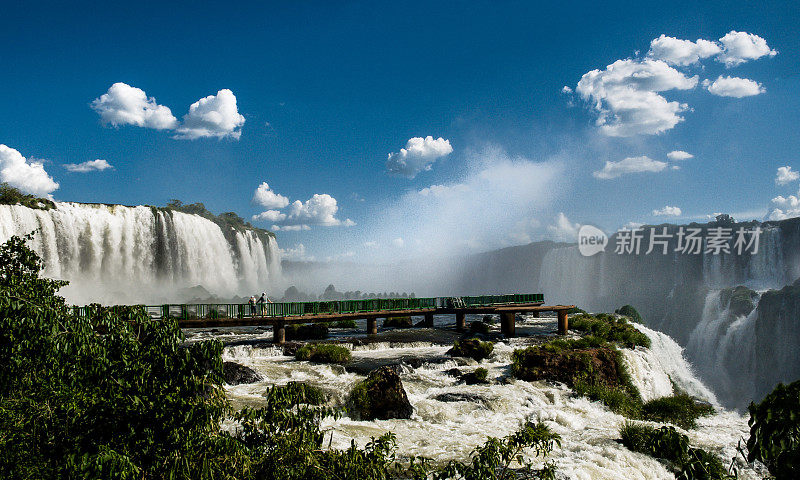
227 221
630 312
116 395
775 431
309 331
493 460
488 319
398 322
667 443
480 374
480 327
472 348
13 196
323 353
679 409
300 393
594 368
610 328
345 324
740 300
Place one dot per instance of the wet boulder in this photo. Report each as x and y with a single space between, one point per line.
235 374
380 396
472 348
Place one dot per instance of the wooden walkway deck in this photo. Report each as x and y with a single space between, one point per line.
507 312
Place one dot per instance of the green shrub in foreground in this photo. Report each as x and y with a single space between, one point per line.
610 329
679 409
775 431
300 392
350 323
667 443
323 353
471 348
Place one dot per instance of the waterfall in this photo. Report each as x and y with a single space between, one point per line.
115 254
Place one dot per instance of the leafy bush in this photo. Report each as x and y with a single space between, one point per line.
472 348
611 329
493 460
345 324
630 312
679 409
480 374
300 393
13 196
775 431
398 322
667 443
323 353
479 327
310 331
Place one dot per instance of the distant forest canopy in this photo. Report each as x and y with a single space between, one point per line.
13 196
292 294
229 219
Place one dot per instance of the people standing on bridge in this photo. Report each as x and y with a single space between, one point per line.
262 300
252 303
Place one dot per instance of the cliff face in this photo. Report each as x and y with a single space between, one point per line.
751 339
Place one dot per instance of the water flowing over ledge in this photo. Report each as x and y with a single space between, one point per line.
115 254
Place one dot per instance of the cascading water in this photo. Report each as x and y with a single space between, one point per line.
444 430
115 254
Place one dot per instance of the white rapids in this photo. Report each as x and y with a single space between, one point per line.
451 430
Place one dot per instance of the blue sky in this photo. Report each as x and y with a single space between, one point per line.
327 91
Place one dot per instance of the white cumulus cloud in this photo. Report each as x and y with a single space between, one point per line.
679 155
786 175
667 211
267 198
733 87
88 166
418 156
127 105
629 165
297 253
785 207
319 210
740 47
682 52
213 116
27 175
625 97
563 230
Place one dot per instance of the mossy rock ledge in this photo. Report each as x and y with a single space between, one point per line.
380 396
472 348
568 366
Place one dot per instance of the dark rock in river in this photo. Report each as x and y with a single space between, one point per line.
381 396
460 397
236 374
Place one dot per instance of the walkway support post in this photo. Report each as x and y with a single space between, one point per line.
372 326
461 321
428 320
279 333
563 322
508 324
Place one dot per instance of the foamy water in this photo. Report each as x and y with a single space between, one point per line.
451 430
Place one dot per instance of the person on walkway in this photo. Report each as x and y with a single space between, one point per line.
262 300
252 303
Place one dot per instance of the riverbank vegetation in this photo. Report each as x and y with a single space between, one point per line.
13 196
323 353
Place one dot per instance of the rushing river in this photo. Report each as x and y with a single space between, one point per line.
450 430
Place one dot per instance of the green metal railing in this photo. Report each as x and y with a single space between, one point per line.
238 310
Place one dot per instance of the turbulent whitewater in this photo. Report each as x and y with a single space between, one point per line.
450 430
115 254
